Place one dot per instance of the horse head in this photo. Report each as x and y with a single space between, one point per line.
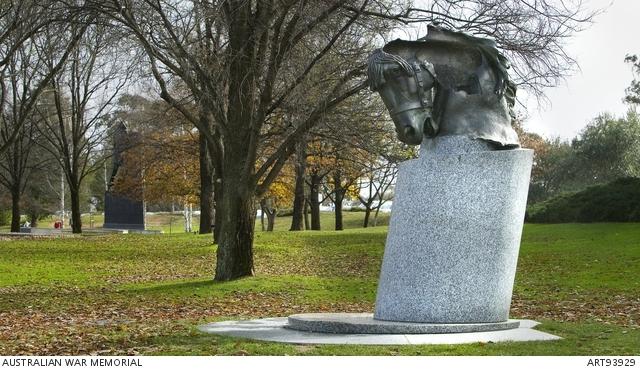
446 83
405 87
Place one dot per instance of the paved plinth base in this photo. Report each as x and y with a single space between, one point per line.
276 330
364 323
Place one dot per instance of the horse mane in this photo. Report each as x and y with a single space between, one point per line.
375 70
488 48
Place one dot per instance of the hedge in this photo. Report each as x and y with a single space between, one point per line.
618 201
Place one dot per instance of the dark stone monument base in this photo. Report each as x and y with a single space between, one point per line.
123 226
364 323
122 213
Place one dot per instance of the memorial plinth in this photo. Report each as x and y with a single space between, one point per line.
451 253
454 234
121 212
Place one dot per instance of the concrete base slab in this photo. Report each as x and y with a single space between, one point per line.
364 323
275 330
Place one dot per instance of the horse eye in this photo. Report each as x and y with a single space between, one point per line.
396 71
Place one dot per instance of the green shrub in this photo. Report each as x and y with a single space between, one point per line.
5 217
284 212
618 201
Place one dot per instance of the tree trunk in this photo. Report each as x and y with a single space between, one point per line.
217 208
238 208
15 210
262 210
34 219
271 219
314 202
299 198
367 214
339 192
338 209
306 215
375 217
266 207
238 215
206 187
188 214
76 219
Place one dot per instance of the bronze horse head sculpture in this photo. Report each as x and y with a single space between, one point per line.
447 83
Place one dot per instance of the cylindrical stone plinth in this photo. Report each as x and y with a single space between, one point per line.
454 234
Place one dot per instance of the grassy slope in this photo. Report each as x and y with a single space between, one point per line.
146 294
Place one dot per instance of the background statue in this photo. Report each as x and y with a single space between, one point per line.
120 144
447 83
124 209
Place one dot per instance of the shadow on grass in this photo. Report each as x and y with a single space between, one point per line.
323 254
298 289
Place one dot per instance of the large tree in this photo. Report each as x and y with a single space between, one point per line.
165 161
158 123
15 166
78 104
633 91
608 148
17 129
28 63
244 60
236 59
36 38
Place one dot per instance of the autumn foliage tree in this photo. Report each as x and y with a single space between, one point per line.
79 101
280 195
167 164
164 156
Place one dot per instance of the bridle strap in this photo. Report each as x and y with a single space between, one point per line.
417 75
422 103
408 107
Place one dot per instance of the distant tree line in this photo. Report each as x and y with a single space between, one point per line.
608 148
594 176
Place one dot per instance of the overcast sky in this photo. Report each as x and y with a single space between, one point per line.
599 85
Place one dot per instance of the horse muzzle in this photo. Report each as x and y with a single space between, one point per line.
409 122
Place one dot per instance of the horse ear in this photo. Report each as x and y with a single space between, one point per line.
429 68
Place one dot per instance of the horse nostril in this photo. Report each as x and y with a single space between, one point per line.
408 131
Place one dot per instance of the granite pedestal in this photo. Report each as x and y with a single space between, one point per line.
454 234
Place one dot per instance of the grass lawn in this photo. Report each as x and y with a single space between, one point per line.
173 223
145 294
170 223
